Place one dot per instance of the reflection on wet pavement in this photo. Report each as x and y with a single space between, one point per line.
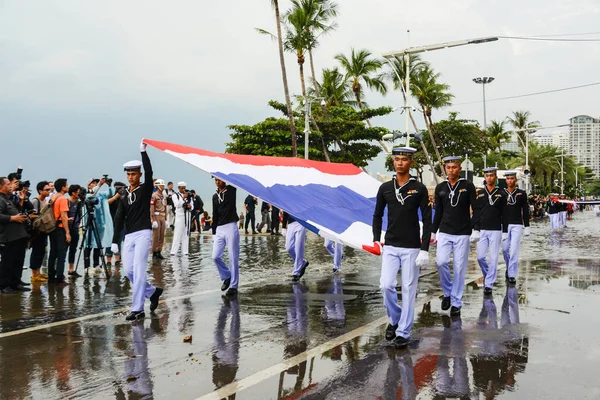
535 340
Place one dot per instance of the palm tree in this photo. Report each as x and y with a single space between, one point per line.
335 89
497 134
521 124
298 39
543 164
360 67
286 90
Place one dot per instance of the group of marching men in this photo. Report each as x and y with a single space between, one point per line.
499 218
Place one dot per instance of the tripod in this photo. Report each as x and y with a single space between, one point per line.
91 228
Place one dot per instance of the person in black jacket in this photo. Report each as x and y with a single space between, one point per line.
554 207
226 233
488 212
452 221
516 214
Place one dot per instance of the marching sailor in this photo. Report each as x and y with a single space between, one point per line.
183 220
134 214
336 250
487 215
563 211
453 200
554 206
295 238
404 247
226 233
516 214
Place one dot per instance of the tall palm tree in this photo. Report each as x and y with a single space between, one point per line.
361 69
298 39
286 90
522 125
334 88
543 164
497 134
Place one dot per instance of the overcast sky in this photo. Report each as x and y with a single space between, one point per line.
81 82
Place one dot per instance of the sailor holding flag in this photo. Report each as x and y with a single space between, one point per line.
404 247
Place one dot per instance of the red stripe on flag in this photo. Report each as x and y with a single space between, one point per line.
325 167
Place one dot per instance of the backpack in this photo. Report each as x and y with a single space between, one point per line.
45 222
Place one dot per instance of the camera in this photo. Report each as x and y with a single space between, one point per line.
19 173
23 184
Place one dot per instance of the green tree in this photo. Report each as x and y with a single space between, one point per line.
335 88
497 134
522 125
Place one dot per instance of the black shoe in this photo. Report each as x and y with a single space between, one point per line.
232 292
303 269
446 303
487 291
246 231
400 342
154 298
9 290
455 310
21 288
74 274
25 283
506 274
390 331
512 281
225 284
159 256
295 278
135 315
51 280
254 232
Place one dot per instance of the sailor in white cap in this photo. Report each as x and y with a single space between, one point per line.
516 214
488 212
452 221
183 219
134 214
226 234
405 247
554 208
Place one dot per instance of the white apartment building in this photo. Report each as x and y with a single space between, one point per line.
556 139
584 141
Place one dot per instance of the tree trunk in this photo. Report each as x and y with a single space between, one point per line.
435 148
285 82
301 67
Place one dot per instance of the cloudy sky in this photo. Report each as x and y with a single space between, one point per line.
81 82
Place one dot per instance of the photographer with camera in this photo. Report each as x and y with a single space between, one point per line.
74 216
61 236
39 240
97 207
182 201
13 241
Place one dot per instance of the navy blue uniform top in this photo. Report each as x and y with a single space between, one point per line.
134 208
250 203
553 207
516 211
403 204
453 207
224 208
287 219
488 210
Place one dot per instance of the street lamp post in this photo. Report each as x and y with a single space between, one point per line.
484 81
307 110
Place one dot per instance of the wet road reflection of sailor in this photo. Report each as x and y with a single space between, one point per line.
134 215
226 234
226 353
517 348
404 248
184 206
137 366
334 311
452 222
297 330
336 250
400 377
295 239
488 212
451 370
516 214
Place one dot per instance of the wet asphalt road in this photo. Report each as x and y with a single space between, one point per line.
319 339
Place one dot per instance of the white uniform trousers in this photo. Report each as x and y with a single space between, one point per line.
294 244
447 244
134 254
563 218
336 250
511 248
554 221
394 258
181 235
489 240
227 235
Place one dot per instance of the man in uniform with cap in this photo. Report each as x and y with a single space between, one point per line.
452 222
134 214
183 220
516 214
158 214
554 207
226 233
488 212
563 211
404 247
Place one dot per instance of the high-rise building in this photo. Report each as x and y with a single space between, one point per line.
556 139
584 141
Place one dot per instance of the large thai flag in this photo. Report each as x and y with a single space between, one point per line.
335 201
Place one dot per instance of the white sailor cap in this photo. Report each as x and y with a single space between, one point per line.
403 151
132 165
181 183
159 182
490 170
510 173
452 159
